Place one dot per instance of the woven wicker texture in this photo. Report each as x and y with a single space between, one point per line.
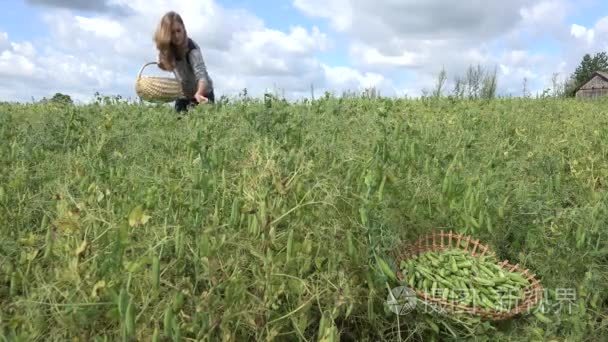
157 89
438 241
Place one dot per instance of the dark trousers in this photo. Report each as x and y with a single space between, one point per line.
182 105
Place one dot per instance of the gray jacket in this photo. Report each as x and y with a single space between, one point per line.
192 69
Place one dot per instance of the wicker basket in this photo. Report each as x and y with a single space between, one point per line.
157 89
438 241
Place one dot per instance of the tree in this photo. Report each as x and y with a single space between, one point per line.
62 98
525 92
588 65
441 79
59 98
488 90
558 88
477 83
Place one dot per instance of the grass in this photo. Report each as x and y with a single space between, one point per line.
261 220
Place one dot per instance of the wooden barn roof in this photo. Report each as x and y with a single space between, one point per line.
602 74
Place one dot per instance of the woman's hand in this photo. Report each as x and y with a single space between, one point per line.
200 90
161 65
162 62
200 98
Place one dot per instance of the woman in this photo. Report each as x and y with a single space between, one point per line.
179 53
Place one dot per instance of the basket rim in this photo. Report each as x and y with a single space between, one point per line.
155 63
437 241
156 78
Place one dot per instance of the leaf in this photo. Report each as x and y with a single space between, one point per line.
137 217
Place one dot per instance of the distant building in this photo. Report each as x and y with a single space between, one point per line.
596 86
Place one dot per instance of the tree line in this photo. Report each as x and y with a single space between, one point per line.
478 82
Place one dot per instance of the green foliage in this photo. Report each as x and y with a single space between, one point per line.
477 83
59 98
265 220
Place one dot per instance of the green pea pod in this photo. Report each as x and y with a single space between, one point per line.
483 281
155 335
386 269
155 273
130 319
453 264
517 278
168 322
542 317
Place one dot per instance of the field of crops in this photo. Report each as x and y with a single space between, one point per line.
265 220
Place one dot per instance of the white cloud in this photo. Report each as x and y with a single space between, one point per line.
26 49
345 78
26 73
298 41
13 64
602 26
16 59
420 38
4 43
545 12
581 32
596 36
340 12
85 54
431 19
97 6
270 52
372 56
101 27
589 39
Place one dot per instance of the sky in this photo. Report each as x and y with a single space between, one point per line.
84 47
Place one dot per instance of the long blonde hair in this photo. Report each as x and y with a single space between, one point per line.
168 52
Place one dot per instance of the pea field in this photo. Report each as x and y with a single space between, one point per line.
268 220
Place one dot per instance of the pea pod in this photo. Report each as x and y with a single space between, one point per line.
130 319
385 268
167 322
517 278
542 317
483 281
453 265
469 280
156 272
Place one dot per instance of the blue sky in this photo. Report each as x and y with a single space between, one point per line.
81 47
21 21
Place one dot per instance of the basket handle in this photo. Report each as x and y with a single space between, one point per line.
150 63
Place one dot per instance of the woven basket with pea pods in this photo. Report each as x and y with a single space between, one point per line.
457 274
